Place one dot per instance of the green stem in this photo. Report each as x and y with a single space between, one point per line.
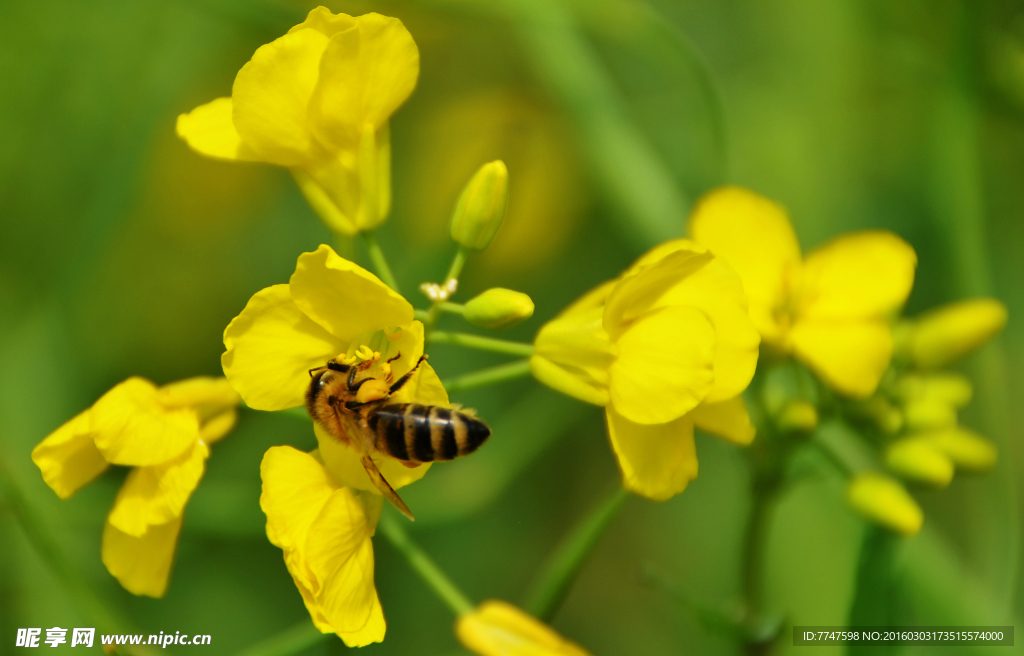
564 563
452 308
423 565
489 376
296 639
459 261
380 263
482 343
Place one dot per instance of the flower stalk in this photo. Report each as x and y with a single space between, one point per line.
505 346
489 376
566 561
380 263
424 566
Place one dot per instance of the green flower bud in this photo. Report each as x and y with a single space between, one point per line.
798 416
965 448
926 414
918 459
952 331
952 389
481 207
884 501
498 309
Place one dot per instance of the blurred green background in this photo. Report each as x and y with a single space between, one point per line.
122 252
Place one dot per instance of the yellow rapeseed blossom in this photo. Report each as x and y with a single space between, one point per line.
497 628
829 308
665 347
322 508
164 433
942 336
883 500
317 100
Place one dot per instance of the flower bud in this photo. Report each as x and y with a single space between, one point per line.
925 415
917 459
798 416
481 207
496 628
952 389
964 447
883 500
950 332
884 414
497 309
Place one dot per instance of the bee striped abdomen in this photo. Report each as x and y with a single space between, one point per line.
424 433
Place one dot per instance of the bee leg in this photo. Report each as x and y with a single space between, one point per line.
390 360
385 488
400 383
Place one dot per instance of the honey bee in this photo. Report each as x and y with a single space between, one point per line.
357 411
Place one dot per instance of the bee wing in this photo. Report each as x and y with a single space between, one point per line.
385 488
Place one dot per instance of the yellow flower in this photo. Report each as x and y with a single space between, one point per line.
943 335
322 507
829 308
666 346
324 529
884 501
164 433
317 100
496 628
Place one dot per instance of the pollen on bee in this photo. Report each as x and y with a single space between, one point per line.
372 390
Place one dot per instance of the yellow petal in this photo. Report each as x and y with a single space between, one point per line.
851 356
295 488
425 388
858 275
367 71
199 391
141 564
657 461
756 239
325 22
343 297
209 130
497 628
157 494
663 250
884 501
218 426
948 333
573 354
270 348
716 290
132 427
638 291
595 298
340 554
372 631
271 95
345 465
728 419
332 190
665 365
68 458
